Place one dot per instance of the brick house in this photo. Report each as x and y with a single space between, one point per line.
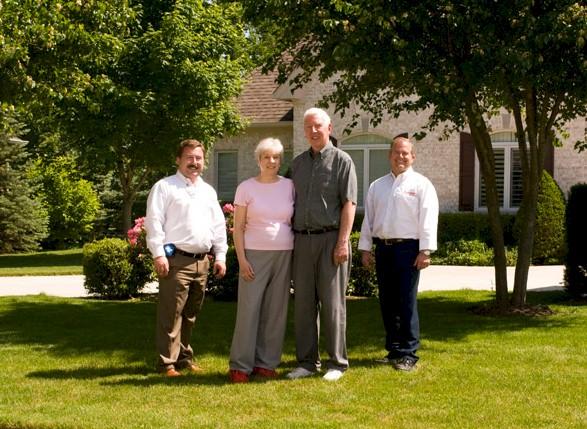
274 111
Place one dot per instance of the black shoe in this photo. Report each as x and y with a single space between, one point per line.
405 364
387 360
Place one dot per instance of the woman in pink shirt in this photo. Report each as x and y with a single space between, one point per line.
263 239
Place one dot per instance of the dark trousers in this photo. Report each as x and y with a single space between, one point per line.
397 279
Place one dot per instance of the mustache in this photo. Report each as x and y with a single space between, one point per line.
193 166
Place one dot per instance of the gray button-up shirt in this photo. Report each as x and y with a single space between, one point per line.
324 182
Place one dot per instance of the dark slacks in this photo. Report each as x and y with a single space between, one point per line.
397 279
181 295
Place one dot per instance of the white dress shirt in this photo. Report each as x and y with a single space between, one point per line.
401 207
186 214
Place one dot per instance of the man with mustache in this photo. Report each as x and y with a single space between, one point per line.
184 223
401 217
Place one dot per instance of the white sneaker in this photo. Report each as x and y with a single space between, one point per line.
299 372
333 375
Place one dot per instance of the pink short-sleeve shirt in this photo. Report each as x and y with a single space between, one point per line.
270 209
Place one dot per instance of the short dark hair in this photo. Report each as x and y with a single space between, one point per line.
192 144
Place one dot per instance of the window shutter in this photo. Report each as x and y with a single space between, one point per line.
466 173
226 175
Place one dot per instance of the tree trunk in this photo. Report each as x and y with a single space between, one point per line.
132 179
484 150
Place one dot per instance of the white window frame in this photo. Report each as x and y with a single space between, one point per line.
366 148
507 146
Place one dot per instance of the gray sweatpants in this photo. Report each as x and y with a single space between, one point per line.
261 311
320 289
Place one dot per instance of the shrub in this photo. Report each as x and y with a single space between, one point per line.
549 233
468 226
362 281
115 268
226 288
576 236
470 253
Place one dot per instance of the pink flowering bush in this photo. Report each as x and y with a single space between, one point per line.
225 289
140 257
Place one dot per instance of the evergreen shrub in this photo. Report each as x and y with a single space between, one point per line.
576 237
226 288
549 232
468 226
109 269
362 281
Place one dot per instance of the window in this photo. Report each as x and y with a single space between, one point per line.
508 172
226 175
370 155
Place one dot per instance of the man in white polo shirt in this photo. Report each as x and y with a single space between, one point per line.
184 222
401 218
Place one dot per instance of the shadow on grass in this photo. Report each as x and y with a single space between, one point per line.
42 259
85 327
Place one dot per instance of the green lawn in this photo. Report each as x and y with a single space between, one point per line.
81 363
57 262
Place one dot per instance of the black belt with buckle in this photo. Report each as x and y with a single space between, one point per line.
315 231
391 241
190 255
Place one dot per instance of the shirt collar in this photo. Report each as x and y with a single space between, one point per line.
185 180
405 174
327 147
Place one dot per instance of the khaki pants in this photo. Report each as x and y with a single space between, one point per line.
181 295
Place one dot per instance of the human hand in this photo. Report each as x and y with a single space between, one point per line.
246 270
422 261
366 259
219 269
161 266
341 253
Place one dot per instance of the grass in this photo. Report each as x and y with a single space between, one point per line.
48 263
82 363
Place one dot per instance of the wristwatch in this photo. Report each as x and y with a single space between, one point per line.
425 252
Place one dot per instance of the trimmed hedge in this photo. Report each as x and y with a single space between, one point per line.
113 271
549 233
576 224
472 226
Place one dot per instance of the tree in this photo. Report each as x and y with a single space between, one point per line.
71 202
125 81
23 221
463 59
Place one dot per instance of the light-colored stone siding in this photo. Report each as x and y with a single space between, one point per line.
436 157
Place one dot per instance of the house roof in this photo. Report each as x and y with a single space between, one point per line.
258 104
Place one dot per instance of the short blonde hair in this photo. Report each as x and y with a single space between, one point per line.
268 144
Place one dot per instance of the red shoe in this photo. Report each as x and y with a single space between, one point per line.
237 376
264 372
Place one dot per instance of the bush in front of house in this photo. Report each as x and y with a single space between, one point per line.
469 253
472 226
549 232
576 236
226 288
362 281
116 269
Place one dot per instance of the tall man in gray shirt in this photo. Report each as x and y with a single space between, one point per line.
326 196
